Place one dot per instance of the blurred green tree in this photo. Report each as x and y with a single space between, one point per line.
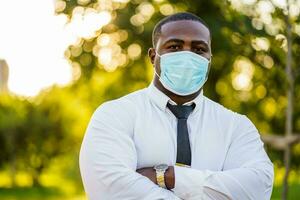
34 133
12 116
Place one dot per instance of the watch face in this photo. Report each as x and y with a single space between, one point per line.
161 167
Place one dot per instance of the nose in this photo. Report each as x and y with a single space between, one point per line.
187 47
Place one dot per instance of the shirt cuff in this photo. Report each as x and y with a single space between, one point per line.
189 182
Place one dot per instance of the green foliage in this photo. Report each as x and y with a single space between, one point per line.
247 76
12 116
33 133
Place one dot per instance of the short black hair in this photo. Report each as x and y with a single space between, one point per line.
175 17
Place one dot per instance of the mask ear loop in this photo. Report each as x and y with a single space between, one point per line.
157 54
206 78
156 73
154 67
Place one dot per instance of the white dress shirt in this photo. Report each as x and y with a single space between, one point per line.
138 130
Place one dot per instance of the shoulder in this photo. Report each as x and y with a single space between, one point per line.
118 114
219 110
228 118
125 105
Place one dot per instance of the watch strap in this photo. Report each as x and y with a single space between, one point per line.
160 178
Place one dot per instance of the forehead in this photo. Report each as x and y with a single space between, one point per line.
186 30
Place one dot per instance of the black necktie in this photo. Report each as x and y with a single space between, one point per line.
183 143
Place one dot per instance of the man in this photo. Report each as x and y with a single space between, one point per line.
169 141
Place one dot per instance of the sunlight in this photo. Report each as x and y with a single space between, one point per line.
33 42
85 23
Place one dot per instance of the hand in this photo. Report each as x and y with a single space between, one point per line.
150 173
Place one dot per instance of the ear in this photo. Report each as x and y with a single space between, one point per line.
151 54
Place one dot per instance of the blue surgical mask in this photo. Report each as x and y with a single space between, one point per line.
183 72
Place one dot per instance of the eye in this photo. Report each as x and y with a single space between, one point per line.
199 50
174 47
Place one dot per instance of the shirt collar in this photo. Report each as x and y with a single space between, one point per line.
161 100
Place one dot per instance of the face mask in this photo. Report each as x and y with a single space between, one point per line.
183 72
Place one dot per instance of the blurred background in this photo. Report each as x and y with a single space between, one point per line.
59 60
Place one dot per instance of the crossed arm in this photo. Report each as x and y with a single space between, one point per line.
108 168
208 194
150 173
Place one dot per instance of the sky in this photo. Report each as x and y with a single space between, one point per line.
33 41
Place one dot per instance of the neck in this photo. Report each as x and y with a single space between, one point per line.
179 100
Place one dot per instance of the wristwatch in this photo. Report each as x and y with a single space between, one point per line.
160 174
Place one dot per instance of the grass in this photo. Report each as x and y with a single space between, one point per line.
56 194
36 194
294 192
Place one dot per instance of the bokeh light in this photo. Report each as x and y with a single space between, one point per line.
242 74
134 51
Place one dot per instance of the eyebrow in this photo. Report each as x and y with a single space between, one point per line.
174 40
200 42
194 42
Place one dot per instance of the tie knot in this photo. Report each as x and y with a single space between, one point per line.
181 111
